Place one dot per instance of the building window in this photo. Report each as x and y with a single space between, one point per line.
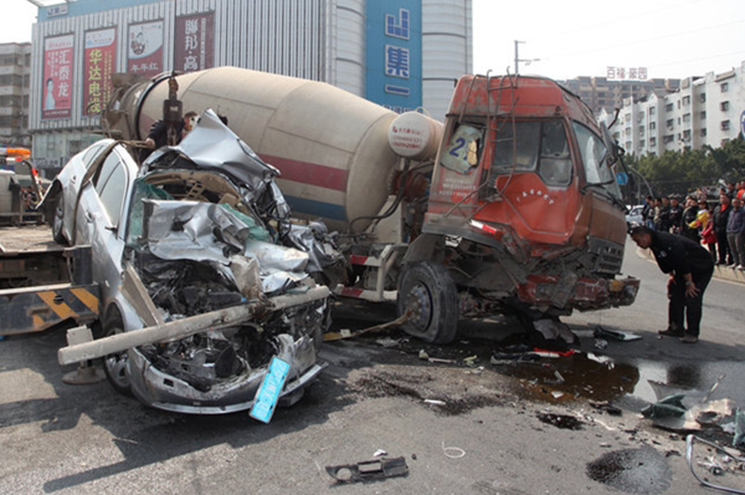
668 139
652 142
703 115
669 107
686 100
652 111
652 126
702 97
725 87
686 117
724 125
724 106
641 132
669 124
703 132
686 135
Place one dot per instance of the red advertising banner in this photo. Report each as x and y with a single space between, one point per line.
195 37
145 48
56 97
99 64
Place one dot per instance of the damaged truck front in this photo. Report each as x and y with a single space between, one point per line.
202 279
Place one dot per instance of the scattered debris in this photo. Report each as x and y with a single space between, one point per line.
348 334
369 470
423 355
671 406
562 421
601 332
440 360
607 407
435 402
739 439
711 464
470 360
380 453
453 452
600 344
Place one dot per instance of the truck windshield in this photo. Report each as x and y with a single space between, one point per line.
532 146
594 160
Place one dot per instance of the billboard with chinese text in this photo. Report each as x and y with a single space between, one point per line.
99 64
56 99
145 48
195 42
394 54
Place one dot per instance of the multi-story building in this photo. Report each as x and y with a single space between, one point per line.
403 54
15 77
603 93
707 110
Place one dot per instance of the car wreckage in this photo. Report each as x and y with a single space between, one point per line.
204 277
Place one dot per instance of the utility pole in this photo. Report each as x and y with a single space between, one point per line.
518 59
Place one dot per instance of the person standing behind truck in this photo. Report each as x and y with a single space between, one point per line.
158 135
721 216
735 232
690 267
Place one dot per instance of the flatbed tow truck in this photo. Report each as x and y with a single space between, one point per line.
42 283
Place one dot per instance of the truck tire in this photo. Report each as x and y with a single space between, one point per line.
429 292
58 213
115 365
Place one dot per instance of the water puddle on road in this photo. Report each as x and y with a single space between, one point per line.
627 383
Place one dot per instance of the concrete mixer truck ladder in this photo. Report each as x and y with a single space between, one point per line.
498 121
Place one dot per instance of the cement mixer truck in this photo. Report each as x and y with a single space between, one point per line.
512 204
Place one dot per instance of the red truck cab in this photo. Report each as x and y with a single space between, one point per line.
524 208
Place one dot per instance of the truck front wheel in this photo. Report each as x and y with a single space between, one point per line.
429 293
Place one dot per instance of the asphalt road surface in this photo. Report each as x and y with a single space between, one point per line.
505 428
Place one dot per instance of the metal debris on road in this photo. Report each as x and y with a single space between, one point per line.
369 470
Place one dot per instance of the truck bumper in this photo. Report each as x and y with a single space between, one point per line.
586 293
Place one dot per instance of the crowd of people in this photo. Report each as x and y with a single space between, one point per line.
716 221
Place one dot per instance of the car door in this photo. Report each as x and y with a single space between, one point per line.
100 216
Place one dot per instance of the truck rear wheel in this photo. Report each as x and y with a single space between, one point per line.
427 290
115 365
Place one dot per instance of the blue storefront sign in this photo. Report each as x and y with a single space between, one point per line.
394 54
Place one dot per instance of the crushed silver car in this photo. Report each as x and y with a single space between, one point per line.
204 277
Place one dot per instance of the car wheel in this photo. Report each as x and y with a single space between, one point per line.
429 293
115 365
58 220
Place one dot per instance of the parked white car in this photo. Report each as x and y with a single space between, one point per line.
203 227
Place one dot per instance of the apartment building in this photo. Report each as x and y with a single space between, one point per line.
15 76
604 93
708 110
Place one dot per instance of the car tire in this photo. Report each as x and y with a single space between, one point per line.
115 365
58 215
428 291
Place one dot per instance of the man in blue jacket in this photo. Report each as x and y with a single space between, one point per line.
690 267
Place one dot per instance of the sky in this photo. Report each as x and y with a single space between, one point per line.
570 38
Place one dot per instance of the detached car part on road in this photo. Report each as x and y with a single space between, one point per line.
196 245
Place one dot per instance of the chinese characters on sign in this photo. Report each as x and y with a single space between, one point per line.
639 73
145 48
194 42
397 60
58 84
99 64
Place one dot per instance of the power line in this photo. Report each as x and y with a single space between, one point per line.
647 40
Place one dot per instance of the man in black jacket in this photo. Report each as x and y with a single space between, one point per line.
690 267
